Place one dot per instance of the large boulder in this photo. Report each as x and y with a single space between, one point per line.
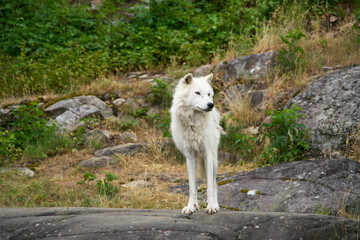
321 186
67 113
254 66
332 106
100 223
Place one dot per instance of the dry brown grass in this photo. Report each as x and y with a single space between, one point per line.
336 46
117 84
56 180
241 110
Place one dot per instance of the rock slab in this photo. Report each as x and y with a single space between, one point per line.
97 162
97 223
321 186
332 104
68 112
254 66
129 148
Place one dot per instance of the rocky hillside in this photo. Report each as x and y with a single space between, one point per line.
84 127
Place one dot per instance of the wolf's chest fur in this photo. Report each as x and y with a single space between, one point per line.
194 125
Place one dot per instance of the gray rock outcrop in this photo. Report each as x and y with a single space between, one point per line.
203 70
68 112
325 186
97 223
240 92
254 66
332 104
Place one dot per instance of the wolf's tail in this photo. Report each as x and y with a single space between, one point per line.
200 166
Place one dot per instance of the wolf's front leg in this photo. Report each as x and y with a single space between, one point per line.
211 169
193 204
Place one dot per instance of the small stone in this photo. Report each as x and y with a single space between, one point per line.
98 135
333 19
21 170
128 137
97 162
253 131
118 102
144 76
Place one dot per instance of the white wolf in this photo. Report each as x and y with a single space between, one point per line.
196 132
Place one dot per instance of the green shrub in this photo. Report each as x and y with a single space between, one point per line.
160 94
164 124
290 56
235 141
30 136
52 46
289 140
9 150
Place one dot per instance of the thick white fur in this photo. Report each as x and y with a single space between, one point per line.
196 133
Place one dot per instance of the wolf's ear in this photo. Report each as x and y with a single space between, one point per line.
188 78
209 78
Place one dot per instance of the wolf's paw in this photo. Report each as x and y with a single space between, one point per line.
189 209
212 208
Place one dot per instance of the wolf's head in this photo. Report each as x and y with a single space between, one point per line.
197 92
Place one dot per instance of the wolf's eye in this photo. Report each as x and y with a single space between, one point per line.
197 93
209 94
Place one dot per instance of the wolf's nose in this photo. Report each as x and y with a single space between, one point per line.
210 105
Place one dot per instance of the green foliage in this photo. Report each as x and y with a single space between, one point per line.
235 141
9 150
78 135
357 25
52 46
88 177
124 123
29 124
161 94
290 56
104 187
30 135
164 124
288 138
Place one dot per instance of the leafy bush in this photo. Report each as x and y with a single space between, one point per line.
235 141
52 46
164 124
288 138
290 56
9 150
30 135
161 94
